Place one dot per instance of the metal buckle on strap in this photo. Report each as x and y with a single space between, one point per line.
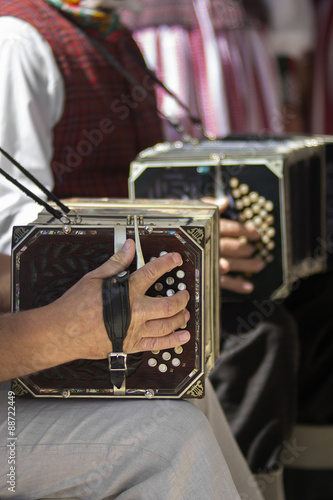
117 357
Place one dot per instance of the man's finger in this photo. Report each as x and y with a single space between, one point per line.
221 202
224 265
237 285
254 265
147 275
118 262
162 327
232 247
234 229
172 340
163 307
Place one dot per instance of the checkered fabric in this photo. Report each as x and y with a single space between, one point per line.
106 121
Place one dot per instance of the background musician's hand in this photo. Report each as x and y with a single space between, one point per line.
155 322
236 250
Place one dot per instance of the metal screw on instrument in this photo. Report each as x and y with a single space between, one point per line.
149 229
149 393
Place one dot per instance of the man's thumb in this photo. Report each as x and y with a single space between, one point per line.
118 262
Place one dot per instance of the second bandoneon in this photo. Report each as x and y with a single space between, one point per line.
278 183
49 256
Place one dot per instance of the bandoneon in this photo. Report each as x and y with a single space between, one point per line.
278 183
49 256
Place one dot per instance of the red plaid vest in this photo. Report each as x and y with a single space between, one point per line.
106 121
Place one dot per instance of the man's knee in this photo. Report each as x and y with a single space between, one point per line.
180 416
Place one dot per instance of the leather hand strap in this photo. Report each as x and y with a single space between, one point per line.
117 318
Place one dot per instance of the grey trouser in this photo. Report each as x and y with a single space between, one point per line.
149 450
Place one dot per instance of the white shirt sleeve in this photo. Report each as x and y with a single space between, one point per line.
31 103
292 26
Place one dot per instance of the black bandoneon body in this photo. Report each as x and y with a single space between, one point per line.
278 183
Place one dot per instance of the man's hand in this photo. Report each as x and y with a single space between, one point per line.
155 322
72 327
236 250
